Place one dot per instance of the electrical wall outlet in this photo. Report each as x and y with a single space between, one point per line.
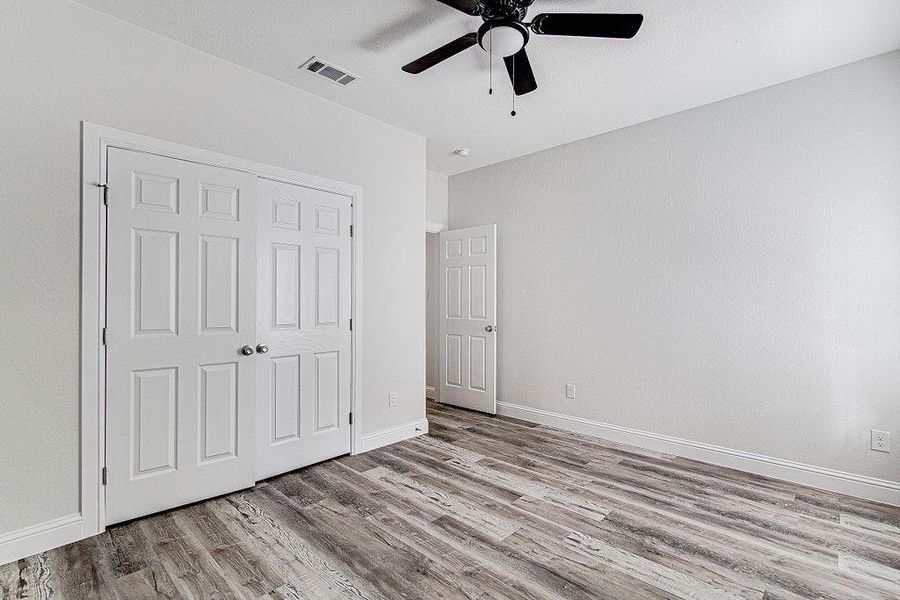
570 391
881 441
392 399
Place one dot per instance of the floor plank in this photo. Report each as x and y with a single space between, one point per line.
490 507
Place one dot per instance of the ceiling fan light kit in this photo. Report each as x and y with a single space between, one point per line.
502 38
505 33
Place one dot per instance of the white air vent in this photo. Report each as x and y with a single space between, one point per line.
335 74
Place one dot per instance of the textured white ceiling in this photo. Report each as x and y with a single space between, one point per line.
688 53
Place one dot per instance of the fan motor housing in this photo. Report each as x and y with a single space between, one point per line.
504 9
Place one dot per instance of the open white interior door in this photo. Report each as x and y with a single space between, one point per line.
468 338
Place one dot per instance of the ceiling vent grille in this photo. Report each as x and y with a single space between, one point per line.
330 72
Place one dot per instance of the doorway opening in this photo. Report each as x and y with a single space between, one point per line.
432 324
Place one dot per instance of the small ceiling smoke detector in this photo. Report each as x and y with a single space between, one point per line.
462 152
328 71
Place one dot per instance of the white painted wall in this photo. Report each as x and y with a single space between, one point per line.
435 198
728 275
61 63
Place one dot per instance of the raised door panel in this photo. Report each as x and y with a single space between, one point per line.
154 430
477 284
328 220
285 399
328 280
286 277
285 213
328 386
155 276
478 245
219 300
153 192
453 248
454 360
453 292
218 411
477 363
219 202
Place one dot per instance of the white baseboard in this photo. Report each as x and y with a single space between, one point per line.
869 488
393 435
41 537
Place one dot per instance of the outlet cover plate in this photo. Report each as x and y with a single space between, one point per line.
392 399
881 441
570 391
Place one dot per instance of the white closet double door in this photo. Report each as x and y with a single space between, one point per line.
228 339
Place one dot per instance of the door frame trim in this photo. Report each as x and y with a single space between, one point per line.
95 141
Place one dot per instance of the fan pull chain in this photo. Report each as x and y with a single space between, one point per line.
491 61
513 113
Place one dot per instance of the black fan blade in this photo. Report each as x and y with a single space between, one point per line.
470 7
587 25
520 72
441 54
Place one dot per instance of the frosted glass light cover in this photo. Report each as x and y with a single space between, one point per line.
503 41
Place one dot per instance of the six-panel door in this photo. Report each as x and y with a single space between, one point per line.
303 381
468 272
181 273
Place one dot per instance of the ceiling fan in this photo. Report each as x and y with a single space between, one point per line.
505 33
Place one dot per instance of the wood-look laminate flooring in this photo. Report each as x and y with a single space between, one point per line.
487 507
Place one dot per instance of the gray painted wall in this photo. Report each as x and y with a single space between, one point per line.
61 63
728 275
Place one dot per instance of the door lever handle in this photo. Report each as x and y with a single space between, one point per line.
261 349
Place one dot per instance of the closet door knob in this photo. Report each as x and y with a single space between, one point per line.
262 349
247 350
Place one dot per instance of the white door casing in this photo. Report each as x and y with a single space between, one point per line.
303 380
468 312
181 303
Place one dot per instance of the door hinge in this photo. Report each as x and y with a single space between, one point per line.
103 475
351 418
105 188
104 336
351 231
351 324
